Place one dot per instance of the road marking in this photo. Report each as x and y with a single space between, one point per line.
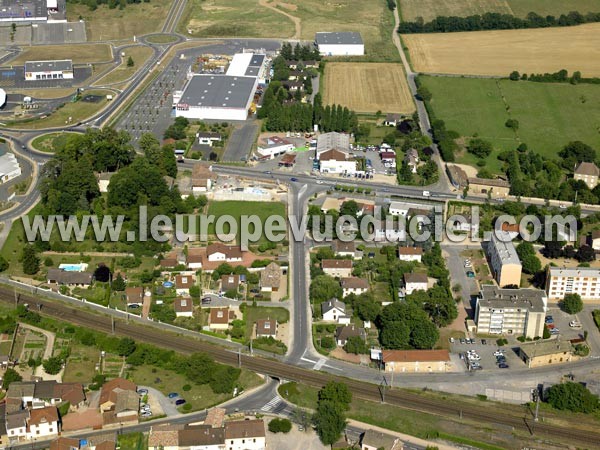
308 360
320 364
271 405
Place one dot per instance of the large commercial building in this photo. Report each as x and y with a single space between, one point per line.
217 97
27 10
511 311
504 261
49 70
584 281
9 167
2 97
340 43
222 97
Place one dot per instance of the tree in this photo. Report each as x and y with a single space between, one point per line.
424 94
102 273
529 260
195 291
367 308
52 365
31 262
9 376
337 393
126 347
330 417
280 426
585 253
571 303
3 264
356 345
513 124
572 397
118 283
425 335
323 288
349 208
514 76
130 62
395 335
480 148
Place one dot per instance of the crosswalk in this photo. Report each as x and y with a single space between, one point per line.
272 404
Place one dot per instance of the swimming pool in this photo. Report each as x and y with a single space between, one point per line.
73 267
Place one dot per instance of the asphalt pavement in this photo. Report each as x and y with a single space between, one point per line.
240 141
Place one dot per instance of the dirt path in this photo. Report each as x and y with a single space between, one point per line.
294 19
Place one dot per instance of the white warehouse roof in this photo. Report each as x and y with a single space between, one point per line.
338 38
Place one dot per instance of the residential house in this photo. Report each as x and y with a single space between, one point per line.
287 160
68 278
497 187
208 137
219 318
197 437
16 424
335 311
173 259
410 253
43 422
63 443
194 258
203 178
270 278
225 253
458 177
245 435
584 281
266 328
134 296
183 283
164 437
388 159
119 401
411 157
543 353
354 285
274 146
376 440
416 360
230 282
392 120
340 268
215 417
293 86
184 307
344 249
414 282
587 172
343 333
104 181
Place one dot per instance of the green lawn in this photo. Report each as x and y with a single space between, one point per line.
132 441
550 115
253 313
236 209
48 142
81 365
199 396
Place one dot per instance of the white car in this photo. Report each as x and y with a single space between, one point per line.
319 181
426 194
474 357
499 353
574 324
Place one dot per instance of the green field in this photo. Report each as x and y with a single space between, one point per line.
429 9
48 142
236 209
243 18
550 115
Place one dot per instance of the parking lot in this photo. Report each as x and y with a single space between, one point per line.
486 351
561 322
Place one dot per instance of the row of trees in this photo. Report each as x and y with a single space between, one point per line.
495 21
299 52
93 4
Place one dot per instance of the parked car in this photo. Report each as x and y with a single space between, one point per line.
452 340
574 324
142 391
470 274
462 341
499 352
255 291
484 342
173 395
293 179
503 366
146 414
206 300
554 331
180 402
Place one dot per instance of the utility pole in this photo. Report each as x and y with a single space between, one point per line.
239 358
537 406
112 324
382 387
16 298
251 351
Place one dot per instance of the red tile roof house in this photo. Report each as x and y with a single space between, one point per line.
266 328
219 318
230 282
119 401
135 296
354 285
194 258
225 253
42 422
410 253
341 268
184 307
183 284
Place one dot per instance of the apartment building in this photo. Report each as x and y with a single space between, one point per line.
503 258
511 311
584 281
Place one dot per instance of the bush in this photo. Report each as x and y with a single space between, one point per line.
521 339
186 387
280 426
187 407
48 262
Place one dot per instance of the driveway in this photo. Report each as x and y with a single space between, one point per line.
167 406
241 140
458 275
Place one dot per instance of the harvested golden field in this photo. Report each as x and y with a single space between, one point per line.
430 9
501 52
368 87
79 53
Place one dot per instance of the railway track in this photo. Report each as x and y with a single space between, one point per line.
174 15
367 391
